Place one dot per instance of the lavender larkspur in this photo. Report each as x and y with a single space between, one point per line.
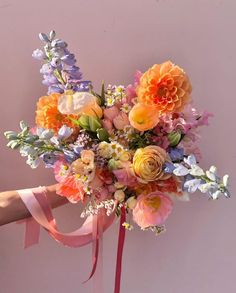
59 70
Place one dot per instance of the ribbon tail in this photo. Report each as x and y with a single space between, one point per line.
95 248
32 232
121 241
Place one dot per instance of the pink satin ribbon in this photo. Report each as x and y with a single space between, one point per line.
37 204
91 231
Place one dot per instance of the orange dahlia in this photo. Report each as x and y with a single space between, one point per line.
48 115
166 86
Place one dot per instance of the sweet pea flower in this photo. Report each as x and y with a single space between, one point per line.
152 209
79 103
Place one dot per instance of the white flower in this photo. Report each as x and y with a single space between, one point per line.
190 160
213 169
216 194
180 170
196 171
207 187
226 180
79 103
211 175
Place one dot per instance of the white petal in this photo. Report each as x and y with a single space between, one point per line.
204 188
216 194
196 171
211 175
213 169
192 185
226 180
181 170
190 160
76 103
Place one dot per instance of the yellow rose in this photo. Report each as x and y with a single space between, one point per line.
148 163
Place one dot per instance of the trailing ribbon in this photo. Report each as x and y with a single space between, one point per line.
91 231
121 241
36 202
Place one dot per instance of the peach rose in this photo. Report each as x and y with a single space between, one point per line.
148 163
152 209
143 117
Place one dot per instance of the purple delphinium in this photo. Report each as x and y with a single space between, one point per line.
176 154
59 71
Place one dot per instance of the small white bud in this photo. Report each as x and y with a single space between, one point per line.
213 169
131 202
119 195
226 180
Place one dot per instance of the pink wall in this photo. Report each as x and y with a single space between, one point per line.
112 39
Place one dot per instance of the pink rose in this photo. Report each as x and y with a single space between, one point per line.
152 209
121 120
111 113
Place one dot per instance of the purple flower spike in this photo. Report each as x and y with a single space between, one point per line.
60 68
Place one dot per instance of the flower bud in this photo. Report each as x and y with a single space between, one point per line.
11 135
226 180
131 202
119 195
174 138
84 122
43 37
94 123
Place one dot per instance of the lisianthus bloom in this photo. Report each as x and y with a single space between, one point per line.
48 115
143 117
79 103
165 86
152 209
71 188
84 166
148 163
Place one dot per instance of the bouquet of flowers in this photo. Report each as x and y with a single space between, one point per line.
125 150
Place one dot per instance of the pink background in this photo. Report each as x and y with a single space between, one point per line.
112 39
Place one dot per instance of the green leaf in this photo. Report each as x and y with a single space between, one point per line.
75 121
102 134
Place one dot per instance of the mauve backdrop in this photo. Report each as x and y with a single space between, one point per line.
111 40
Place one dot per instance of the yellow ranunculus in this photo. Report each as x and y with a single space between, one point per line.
143 117
148 163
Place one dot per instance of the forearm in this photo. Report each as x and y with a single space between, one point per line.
13 209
